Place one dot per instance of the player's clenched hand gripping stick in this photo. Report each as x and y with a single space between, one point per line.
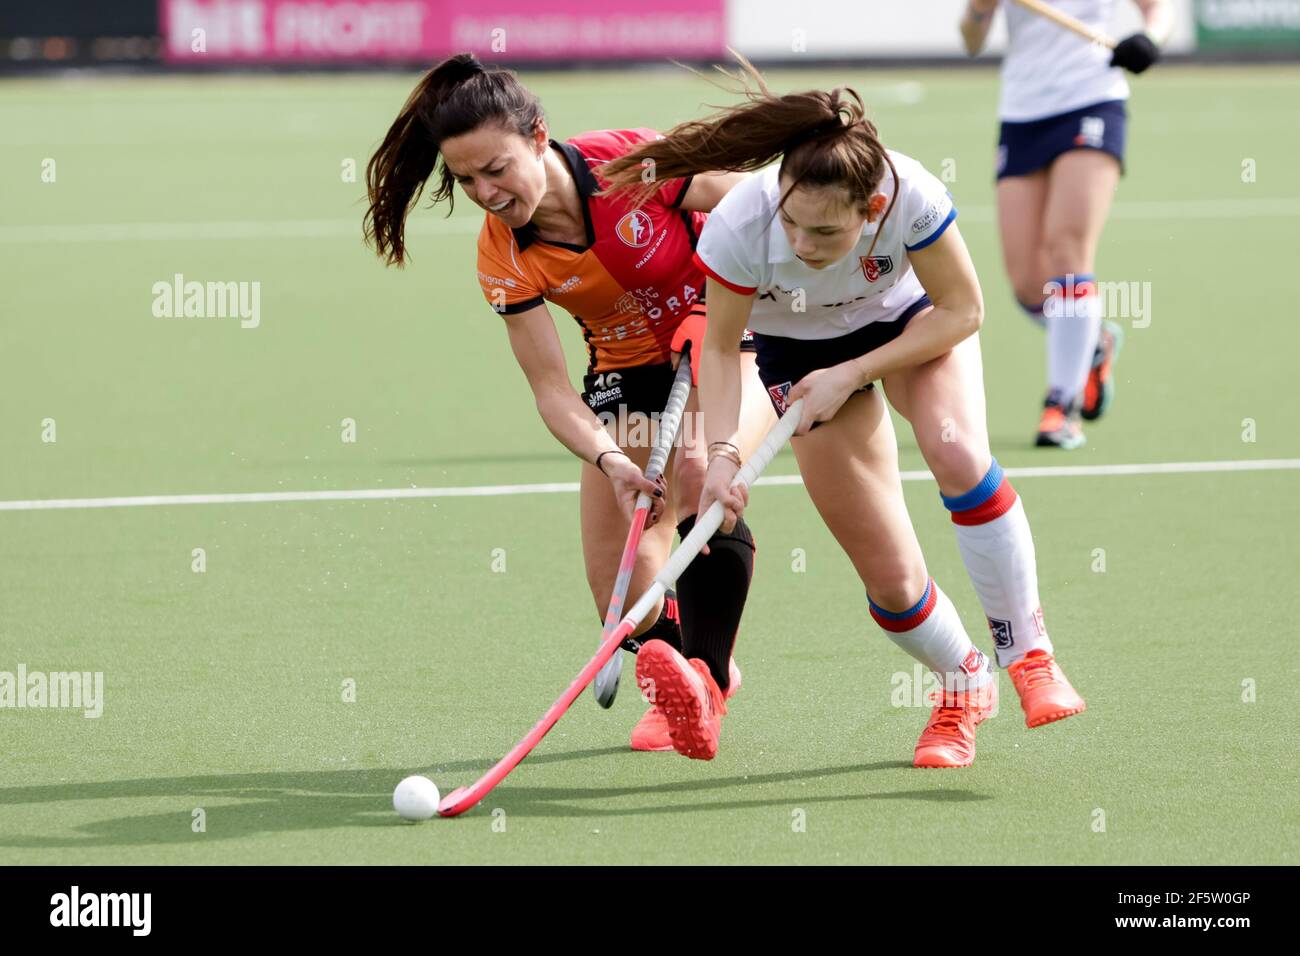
606 685
1135 53
460 800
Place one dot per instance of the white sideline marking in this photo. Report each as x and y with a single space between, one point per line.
569 487
433 226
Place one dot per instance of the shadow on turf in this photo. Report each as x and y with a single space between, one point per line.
548 801
243 805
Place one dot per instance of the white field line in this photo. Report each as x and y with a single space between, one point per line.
570 487
433 226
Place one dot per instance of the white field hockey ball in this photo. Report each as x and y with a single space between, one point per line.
416 798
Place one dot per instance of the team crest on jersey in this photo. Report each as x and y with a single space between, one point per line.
876 266
780 396
1001 631
635 229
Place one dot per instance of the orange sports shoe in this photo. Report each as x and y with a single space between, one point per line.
1044 692
651 731
1059 428
949 736
688 696
1099 391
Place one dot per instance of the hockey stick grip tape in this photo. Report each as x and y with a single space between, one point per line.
671 419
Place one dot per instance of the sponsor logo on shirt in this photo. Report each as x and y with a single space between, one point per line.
653 249
780 396
617 333
628 304
933 213
568 285
635 229
488 280
876 266
770 295
647 301
1092 132
604 396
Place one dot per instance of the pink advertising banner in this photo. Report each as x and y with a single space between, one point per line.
340 31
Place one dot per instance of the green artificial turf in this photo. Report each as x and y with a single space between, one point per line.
224 690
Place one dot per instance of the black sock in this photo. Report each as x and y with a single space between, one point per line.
712 592
667 629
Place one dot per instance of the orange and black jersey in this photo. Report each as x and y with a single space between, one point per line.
633 282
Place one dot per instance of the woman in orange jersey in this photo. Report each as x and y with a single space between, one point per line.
627 277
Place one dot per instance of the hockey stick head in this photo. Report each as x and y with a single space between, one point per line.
454 803
606 683
462 799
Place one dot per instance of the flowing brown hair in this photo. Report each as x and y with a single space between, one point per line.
822 139
457 96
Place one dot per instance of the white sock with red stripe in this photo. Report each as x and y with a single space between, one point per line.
1072 314
931 631
998 550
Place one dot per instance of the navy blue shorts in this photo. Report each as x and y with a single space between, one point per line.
782 362
1024 148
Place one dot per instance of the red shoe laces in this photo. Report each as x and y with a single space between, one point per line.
1035 672
948 720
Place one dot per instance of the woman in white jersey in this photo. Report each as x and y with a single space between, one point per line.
1060 154
846 263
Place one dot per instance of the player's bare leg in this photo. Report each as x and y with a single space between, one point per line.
850 468
1081 355
1021 202
1022 206
756 414
944 402
711 593
604 532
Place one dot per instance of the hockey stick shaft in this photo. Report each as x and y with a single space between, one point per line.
669 422
461 799
1063 19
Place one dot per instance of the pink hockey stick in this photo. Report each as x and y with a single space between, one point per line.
462 798
606 684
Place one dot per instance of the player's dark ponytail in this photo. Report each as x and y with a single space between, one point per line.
821 138
457 96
